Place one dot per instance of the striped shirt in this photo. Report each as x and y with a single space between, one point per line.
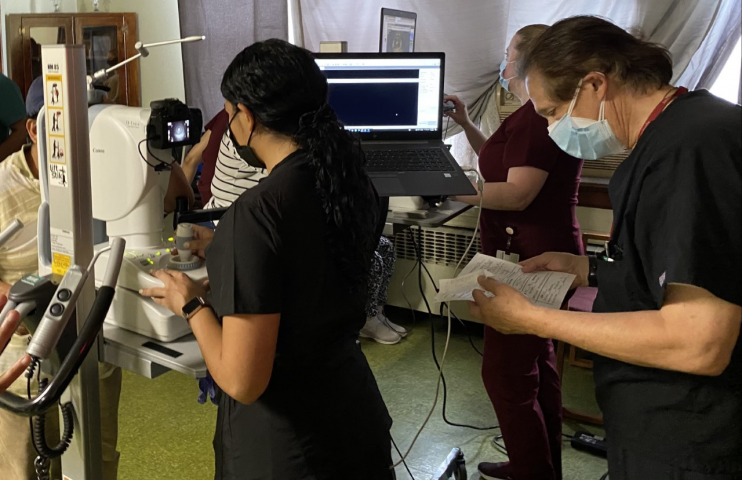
232 175
20 198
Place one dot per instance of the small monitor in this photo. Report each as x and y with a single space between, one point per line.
397 31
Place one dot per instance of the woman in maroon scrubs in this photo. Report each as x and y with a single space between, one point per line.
530 195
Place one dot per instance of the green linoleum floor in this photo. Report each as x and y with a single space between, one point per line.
166 435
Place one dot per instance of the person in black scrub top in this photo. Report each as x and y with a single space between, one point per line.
288 269
667 317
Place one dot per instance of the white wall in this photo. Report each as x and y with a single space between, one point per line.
29 6
162 71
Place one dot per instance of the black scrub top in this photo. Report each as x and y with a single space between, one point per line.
677 210
322 415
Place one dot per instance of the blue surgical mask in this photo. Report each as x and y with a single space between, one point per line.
583 137
505 82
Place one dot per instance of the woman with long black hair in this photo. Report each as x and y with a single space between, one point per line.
288 267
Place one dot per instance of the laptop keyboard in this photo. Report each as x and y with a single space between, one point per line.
417 160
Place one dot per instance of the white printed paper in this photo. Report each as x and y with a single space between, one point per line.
461 287
545 289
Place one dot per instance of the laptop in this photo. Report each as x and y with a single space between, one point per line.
394 102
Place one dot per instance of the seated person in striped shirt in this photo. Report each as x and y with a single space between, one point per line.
232 175
224 175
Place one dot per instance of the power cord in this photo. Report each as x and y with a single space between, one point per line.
409 472
163 165
440 366
498 445
418 252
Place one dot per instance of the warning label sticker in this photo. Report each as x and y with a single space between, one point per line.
58 175
57 149
62 245
60 264
55 121
54 97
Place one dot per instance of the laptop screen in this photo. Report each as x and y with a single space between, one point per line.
383 95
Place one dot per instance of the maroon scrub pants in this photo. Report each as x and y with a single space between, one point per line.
520 375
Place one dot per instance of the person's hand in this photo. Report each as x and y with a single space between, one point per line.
459 114
577 265
201 239
508 312
6 331
178 290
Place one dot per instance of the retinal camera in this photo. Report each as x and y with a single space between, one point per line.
173 124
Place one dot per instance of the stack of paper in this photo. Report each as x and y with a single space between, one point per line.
545 289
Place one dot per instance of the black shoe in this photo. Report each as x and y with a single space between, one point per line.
494 471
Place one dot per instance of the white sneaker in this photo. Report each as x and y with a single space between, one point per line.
376 330
399 330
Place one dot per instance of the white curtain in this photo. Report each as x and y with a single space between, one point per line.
717 46
682 26
474 34
229 27
471 33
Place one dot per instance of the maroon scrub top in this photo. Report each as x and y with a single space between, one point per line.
217 126
549 223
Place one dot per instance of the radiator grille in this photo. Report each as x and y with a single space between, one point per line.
440 246
609 163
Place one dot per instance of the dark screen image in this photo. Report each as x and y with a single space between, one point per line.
375 104
398 41
178 131
375 73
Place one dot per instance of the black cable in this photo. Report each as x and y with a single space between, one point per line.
568 436
163 164
466 329
29 378
496 442
435 287
605 476
39 431
404 461
139 149
418 251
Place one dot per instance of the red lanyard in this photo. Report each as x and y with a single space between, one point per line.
661 107
653 116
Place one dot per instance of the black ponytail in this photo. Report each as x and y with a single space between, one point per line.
286 92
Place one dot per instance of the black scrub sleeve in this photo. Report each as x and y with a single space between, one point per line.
244 260
689 223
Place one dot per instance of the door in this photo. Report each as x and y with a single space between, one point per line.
26 35
109 38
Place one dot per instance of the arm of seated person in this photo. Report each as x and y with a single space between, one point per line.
515 194
178 187
194 157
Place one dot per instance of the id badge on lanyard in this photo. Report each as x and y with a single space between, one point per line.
507 255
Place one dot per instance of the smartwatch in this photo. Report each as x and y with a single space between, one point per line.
592 276
193 307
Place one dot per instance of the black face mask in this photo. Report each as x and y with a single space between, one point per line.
245 152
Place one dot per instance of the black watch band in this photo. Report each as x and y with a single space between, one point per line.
592 276
192 307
